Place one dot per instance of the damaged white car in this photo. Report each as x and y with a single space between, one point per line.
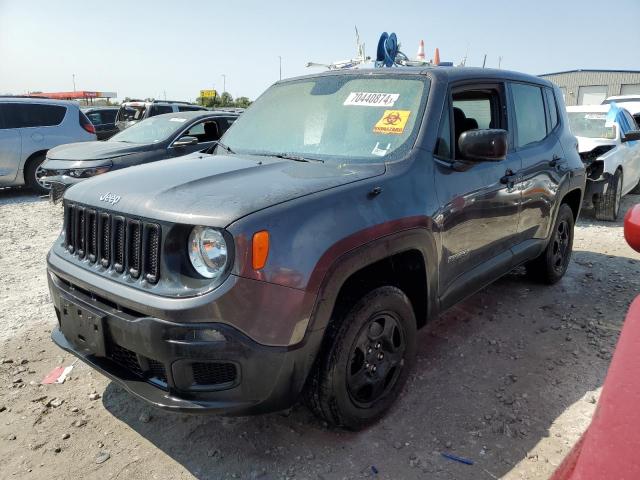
609 145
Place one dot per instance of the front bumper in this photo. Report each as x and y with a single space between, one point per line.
594 189
203 367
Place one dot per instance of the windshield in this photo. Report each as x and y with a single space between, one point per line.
335 118
131 113
591 125
151 130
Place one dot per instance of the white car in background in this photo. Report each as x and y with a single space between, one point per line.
609 145
29 127
631 103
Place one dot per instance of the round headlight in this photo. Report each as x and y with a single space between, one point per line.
208 251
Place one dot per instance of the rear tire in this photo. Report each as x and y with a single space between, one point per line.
32 175
365 362
607 207
552 264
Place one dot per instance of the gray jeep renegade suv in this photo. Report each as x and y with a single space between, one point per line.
298 258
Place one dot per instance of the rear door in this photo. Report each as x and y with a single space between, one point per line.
536 120
10 147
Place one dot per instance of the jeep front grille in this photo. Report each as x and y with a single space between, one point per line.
127 245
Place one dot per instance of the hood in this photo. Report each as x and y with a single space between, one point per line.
213 190
586 144
95 150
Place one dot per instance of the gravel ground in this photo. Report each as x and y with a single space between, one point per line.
509 379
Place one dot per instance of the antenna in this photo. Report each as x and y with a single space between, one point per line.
499 61
484 62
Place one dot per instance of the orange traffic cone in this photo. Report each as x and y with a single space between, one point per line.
420 55
436 57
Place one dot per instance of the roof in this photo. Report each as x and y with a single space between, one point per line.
589 108
100 107
590 71
630 98
39 100
442 73
157 102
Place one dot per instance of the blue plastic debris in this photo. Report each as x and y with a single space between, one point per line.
374 469
455 458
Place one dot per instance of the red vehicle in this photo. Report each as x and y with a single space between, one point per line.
610 448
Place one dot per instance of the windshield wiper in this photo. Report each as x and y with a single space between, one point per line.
225 147
291 156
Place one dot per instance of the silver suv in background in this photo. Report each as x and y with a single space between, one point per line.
133 111
29 127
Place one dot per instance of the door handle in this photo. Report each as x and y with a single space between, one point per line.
508 177
555 162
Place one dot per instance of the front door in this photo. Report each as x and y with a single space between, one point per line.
480 200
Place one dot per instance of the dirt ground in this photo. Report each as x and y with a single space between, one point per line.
508 379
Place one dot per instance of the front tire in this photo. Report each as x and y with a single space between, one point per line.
607 207
366 359
33 174
552 264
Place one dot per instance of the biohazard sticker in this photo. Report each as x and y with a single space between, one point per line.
392 122
369 99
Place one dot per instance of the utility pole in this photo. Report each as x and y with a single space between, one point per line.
280 58
73 76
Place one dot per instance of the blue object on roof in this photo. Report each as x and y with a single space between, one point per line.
387 50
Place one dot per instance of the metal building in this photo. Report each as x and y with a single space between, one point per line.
589 87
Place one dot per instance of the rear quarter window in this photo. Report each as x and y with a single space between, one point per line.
25 115
553 108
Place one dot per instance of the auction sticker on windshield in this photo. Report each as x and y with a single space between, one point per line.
392 121
368 99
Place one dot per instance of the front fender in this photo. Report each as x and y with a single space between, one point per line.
330 280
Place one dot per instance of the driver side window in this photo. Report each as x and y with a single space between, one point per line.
477 108
206 131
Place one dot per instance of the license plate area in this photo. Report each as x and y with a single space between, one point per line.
83 327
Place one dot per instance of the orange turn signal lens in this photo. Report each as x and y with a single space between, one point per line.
260 249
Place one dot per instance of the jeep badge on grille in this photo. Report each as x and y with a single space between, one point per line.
109 197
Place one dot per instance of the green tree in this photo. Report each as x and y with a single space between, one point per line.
226 100
242 102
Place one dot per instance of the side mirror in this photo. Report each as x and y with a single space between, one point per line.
632 227
185 141
630 136
483 145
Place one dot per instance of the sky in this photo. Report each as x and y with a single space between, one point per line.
155 48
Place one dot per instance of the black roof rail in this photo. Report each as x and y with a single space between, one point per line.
173 101
28 96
